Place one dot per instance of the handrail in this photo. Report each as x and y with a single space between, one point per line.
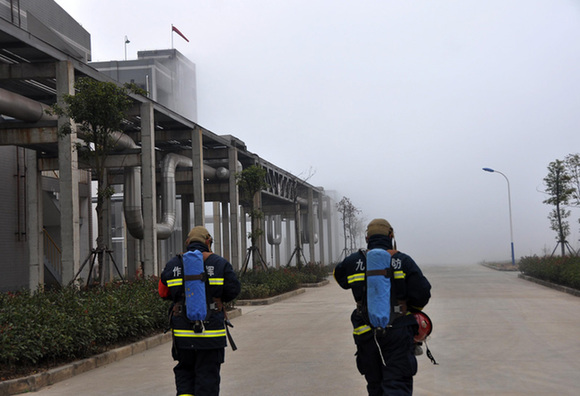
52 252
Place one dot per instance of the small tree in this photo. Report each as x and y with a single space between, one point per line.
98 109
250 182
560 191
572 164
349 222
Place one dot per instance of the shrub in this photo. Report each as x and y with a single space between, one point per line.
274 281
560 270
66 324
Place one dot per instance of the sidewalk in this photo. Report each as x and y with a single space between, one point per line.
494 334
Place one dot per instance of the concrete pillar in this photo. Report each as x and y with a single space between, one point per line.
197 173
234 209
225 231
185 218
321 243
34 223
298 253
244 234
68 180
259 224
289 246
217 228
277 230
109 272
310 225
133 256
330 229
150 266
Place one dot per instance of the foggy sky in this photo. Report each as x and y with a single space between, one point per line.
395 104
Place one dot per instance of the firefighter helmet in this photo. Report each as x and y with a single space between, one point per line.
425 326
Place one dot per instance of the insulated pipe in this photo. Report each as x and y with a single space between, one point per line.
132 201
132 194
274 225
170 162
23 108
305 234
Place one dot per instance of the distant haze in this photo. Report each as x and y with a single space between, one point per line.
394 104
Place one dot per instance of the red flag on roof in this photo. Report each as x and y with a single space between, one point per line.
176 30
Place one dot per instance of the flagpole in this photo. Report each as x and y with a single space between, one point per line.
171 36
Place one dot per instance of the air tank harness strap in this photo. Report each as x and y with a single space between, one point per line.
202 277
384 272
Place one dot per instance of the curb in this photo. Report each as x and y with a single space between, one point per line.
270 300
35 382
565 289
499 269
319 284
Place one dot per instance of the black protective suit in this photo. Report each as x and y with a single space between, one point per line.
386 359
200 355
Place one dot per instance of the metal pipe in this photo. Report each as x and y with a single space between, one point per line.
23 108
168 196
274 226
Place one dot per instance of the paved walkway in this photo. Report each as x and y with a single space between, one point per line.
494 334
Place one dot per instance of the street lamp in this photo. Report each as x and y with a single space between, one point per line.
510 210
126 42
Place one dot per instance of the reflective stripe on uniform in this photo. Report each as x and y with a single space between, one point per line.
361 329
360 277
206 333
175 282
216 281
399 275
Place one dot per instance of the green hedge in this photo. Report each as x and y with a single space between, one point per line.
65 324
274 281
564 271
55 326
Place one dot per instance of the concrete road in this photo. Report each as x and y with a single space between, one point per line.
494 334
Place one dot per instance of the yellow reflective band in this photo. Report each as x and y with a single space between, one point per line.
356 277
185 394
206 333
362 329
175 282
399 275
216 281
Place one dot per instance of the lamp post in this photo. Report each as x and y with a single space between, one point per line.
126 42
510 210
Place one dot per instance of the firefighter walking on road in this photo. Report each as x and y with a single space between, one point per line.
385 355
198 345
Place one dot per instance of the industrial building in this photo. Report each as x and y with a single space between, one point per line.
169 172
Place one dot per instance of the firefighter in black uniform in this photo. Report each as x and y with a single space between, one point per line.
386 356
199 353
